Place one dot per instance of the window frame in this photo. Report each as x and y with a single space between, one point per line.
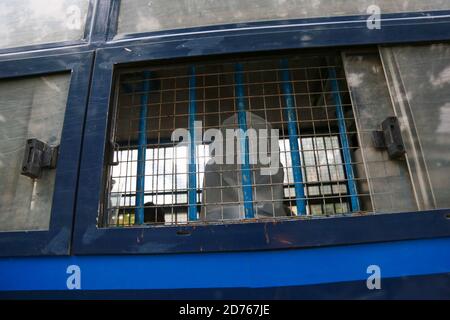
248 235
55 240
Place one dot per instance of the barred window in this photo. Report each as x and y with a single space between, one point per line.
301 104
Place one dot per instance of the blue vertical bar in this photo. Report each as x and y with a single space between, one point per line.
291 116
244 144
142 147
192 178
344 141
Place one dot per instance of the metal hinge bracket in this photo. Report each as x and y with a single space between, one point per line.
38 155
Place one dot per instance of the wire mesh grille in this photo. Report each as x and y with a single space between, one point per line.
154 180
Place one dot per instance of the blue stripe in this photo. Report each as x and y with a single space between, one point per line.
192 211
344 141
142 147
229 270
244 144
293 137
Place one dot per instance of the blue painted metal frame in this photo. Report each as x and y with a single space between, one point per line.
213 40
55 241
49 273
292 121
246 173
192 177
113 13
103 19
89 239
